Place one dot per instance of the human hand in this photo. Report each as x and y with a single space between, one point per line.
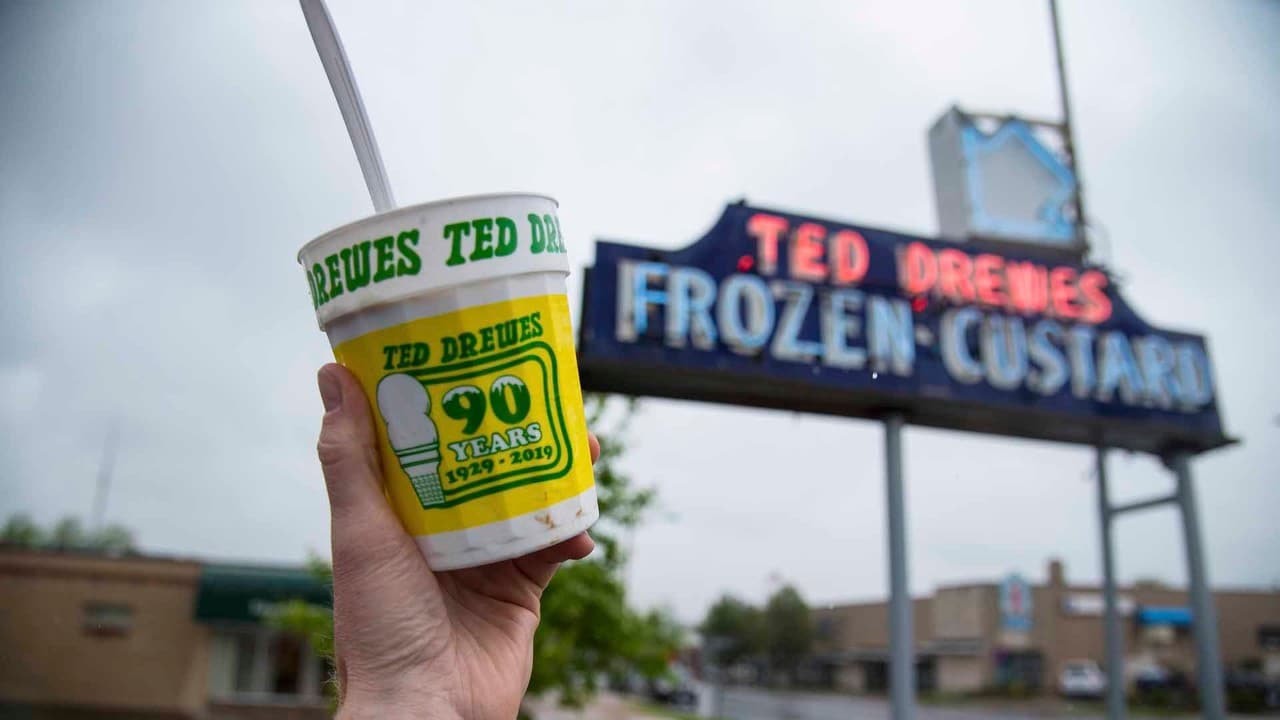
411 643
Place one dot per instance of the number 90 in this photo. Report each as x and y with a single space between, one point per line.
508 396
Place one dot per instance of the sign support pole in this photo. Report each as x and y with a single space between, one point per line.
1111 616
1204 619
902 678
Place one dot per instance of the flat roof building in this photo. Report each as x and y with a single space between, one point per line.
146 637
1003 634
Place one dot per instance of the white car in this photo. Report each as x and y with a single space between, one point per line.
1082 678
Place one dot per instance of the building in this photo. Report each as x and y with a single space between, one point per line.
1008 634
146 637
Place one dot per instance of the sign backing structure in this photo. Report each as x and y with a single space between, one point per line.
779 310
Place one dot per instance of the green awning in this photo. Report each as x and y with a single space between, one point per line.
244 592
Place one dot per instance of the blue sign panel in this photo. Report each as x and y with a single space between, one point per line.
983 155
774 309
1015 604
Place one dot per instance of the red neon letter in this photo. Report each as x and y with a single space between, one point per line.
988 279
955 276
849 257
806 253
1063 292
916 270
1097 307
766 229
1028 287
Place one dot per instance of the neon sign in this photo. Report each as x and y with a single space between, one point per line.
777 310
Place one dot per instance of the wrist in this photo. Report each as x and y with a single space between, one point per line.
411 703
414 708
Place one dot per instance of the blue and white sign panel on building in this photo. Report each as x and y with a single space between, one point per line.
1015 604
775 309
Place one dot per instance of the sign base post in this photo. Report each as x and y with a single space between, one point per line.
1204 618
902 672
1111 613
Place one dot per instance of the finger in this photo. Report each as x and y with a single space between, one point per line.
594 443
541 566
348 454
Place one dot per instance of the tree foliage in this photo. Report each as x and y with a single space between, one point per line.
587 627
583 611
22 531
780 633
622 505
67 535
788 630
733 631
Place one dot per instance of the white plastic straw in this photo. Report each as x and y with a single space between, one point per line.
334 59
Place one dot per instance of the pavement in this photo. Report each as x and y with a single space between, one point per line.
745 704
605 706
752 704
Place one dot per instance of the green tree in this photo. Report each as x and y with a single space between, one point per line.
733 631
654 636
788 630
22 531
580 634
112 540
67 534
586 626
622 505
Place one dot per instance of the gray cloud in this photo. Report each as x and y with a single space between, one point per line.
164 161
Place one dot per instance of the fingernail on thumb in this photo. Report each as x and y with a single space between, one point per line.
330 390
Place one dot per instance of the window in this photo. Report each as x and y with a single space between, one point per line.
1269 637
107 619
288 655
253 664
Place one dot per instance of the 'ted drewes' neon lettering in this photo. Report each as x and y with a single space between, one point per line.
364 263
1023 287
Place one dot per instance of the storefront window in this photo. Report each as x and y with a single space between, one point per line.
255 664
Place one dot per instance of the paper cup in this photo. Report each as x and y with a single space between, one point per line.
453 316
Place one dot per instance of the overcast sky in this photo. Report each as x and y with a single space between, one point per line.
163 161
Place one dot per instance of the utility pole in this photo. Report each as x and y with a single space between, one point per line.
98 520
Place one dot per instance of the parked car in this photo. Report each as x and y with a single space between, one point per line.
1251 691
1082 679
676 688
1163 687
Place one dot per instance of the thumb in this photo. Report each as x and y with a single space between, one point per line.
363 525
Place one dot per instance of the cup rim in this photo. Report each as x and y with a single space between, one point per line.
413 208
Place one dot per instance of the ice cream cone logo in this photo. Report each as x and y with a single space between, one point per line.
404 405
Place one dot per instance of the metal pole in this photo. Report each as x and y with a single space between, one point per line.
1068 142
902 672
1111 616
98 520
1204 620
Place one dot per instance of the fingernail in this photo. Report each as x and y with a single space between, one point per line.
330 389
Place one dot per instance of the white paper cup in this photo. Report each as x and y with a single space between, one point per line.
453 316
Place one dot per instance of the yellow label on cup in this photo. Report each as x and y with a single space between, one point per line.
478 412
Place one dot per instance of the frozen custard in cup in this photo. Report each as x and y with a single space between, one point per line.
454 318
